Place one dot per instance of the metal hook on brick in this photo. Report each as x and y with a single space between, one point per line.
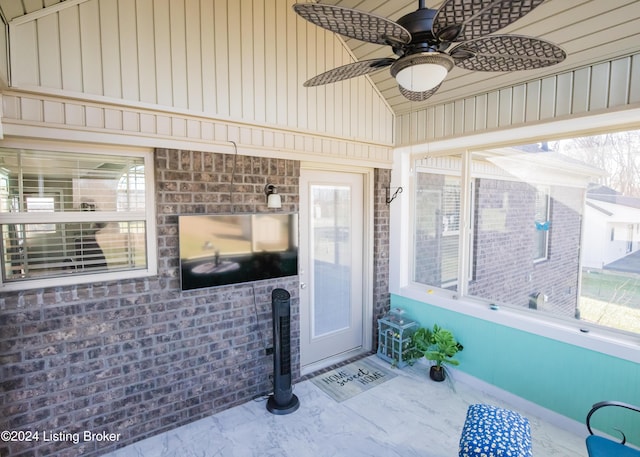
395 194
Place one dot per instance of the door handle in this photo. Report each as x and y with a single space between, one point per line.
303 285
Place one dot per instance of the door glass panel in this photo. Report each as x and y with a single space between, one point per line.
331 262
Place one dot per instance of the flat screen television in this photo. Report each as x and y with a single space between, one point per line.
222 249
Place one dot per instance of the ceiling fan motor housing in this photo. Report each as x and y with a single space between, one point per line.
419 23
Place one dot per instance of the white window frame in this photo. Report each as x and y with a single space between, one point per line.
147 214
583 334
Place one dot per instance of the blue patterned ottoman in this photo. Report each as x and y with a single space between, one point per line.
490 431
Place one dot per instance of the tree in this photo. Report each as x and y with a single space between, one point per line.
618 154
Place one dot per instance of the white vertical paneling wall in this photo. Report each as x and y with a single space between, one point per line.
239 60
4 68
593 89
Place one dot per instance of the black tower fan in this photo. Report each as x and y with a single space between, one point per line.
283 401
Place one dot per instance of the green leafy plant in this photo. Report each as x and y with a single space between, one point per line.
421 342
444 347
437 345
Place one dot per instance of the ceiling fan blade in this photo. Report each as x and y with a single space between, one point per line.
351 70
462 20
506 53
353 23
418 96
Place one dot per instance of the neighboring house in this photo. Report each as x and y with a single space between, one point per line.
525 227
612 228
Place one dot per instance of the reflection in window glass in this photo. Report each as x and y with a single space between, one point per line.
512 223
542 223
332 241
553 227
610 274
437 227
71 213
33 253
43 204
131 189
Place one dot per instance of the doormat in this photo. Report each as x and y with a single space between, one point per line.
350 380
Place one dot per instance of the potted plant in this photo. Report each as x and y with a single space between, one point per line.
437 345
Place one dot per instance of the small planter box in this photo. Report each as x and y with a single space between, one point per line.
394 338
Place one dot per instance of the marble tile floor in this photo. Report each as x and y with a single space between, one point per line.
406 416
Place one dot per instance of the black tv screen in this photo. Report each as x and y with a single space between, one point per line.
233 248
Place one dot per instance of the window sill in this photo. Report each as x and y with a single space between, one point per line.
579 333
74 279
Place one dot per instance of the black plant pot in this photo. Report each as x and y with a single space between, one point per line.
436 373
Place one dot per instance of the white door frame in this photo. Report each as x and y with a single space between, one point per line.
367 261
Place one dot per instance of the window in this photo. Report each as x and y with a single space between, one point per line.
551 227
437 224
70 217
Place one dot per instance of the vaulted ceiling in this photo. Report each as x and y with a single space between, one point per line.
589 31
12 9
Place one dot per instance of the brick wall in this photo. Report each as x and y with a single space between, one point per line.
558 276
504 247
381 296
503 240
504 266
140 357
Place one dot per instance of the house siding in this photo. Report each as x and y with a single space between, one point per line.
594 89
224 60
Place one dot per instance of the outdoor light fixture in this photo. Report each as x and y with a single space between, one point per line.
273 197
421 72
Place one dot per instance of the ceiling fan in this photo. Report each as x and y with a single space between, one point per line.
422 39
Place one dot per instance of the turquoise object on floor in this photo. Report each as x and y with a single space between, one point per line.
598 446
490 431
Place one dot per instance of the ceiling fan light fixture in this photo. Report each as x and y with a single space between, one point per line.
423 71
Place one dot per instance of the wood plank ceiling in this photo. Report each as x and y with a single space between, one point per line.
589 31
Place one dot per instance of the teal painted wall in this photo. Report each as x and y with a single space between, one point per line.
561 377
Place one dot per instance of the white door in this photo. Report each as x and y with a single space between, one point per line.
332 303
